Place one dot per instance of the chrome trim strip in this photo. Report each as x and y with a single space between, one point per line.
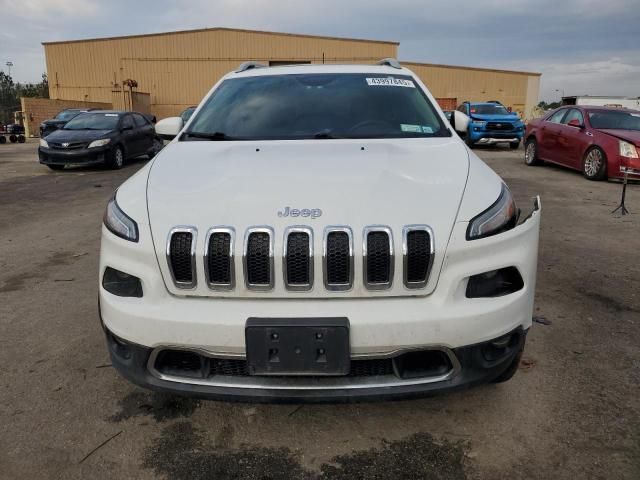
259 286
297 287
194 237
337 287
365 234
306 383
405 259
232 264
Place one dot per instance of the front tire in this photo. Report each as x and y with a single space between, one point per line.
116 158
470 143
531 153
594 164
158 145
514 145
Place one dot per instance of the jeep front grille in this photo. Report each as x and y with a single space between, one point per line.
181 256
297 271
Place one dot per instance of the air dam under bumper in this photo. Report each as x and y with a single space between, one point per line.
470 365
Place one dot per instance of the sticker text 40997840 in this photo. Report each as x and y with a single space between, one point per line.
390 82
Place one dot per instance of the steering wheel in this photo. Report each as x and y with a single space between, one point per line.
367 123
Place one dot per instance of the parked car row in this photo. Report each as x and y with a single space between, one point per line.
99 137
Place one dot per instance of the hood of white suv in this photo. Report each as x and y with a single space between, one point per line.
355 183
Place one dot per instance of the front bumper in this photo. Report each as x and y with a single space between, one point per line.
490 137
470 366
80 156
379 326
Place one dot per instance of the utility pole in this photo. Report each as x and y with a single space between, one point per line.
9 65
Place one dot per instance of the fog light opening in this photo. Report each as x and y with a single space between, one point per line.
501 347
180 363
119 347
422 363
495 283
121 284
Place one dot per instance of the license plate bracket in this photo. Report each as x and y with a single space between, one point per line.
298 346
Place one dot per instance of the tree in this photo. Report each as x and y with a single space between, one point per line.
11 92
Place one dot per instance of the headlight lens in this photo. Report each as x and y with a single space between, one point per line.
119 223
43 143
628 150
99 143
499 217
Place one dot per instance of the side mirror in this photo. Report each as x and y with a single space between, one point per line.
169 128
575 123
460 121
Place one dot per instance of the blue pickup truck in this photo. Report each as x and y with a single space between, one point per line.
491 123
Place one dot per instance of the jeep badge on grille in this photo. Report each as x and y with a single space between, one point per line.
305 212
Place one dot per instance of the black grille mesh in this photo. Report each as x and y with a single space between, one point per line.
338 267
499 126
378 258
418 255
180 256
359 368
258 261
298 258
219 258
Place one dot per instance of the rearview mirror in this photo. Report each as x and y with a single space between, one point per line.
169 128
575 123
460 121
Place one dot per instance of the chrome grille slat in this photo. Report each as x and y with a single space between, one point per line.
417 252
337 258
181 258
219 259
378 257
258 258
297 258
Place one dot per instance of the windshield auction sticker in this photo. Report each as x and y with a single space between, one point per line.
390 82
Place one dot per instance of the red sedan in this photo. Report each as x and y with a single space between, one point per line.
598 141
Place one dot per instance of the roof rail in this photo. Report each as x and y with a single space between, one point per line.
390 62
249 65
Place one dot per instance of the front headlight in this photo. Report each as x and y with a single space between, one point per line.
43 143
499 217
628 150
119 223
99 143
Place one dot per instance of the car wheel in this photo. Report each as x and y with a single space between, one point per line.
116 158
155 149
510 371
3 139
56 167
594 164
13 138
531 152
514 145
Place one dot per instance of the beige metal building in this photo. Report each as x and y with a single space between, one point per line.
174 70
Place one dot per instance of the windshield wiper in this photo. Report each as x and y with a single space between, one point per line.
209 136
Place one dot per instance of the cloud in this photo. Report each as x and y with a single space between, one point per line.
558 38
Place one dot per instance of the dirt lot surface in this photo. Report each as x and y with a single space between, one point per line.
572 411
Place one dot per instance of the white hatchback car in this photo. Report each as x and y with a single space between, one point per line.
316 233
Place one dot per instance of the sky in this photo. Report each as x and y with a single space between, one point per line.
580 46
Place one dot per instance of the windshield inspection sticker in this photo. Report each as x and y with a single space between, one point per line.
390 82
427 129
410 128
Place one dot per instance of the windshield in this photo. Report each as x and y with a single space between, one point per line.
93 121
292 107
489 109
615 120
67 114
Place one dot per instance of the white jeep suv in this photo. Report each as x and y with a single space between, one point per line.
316 233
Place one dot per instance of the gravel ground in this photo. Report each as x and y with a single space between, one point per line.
572 411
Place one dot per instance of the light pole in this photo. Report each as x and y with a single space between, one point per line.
9 65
